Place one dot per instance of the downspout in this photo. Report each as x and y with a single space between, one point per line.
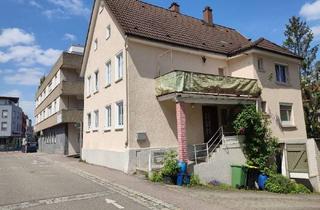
127 92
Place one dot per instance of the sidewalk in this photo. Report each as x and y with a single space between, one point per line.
195 198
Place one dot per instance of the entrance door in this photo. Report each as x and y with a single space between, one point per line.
210 121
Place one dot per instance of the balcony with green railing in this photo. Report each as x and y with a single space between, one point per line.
179 81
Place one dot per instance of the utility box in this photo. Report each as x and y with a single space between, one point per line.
141 136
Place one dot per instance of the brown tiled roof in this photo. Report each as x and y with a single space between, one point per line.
148 21
267 45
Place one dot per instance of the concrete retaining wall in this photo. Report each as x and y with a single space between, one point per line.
218 167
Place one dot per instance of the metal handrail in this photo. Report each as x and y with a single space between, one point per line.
215 141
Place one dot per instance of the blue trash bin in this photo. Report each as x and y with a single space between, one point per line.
262 179
182 166
180 179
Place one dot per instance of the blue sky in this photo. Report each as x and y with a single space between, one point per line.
34 32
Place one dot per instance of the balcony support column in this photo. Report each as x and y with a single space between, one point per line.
182 130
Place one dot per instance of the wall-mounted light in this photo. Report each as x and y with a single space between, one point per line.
204 59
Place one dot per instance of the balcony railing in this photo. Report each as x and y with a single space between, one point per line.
72 88
62 116
191 82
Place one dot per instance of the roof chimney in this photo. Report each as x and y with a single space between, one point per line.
207 15
175 7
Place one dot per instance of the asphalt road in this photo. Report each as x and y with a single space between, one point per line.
29 181
41 181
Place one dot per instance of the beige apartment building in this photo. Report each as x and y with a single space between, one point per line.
59 105
156 79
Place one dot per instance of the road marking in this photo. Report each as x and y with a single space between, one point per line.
50 201
114 203
140 198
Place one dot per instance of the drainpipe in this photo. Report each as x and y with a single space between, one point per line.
127 92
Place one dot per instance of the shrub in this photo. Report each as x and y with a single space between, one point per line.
194 180
171 167
259 146
156 177
280 184
300 188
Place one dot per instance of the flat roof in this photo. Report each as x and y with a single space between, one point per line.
13 99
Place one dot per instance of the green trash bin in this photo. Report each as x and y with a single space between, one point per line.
239 176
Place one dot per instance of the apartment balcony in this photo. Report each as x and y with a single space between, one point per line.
183 84
63 116
65 88
70 88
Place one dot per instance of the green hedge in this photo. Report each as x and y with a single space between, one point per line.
280 184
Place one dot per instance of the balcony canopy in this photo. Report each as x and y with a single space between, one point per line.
198 83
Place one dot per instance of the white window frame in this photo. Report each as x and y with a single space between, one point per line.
289 123
96 120
118 125
108 119
95 44
96 81
108 32
89 81
264 108
285 73
89 121
108 72
4 128
260 64
4 114
119 71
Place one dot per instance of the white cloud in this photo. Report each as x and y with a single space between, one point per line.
14 36
55 13
316 31
311 11
35 4
29 55
70 37
73 7
24 76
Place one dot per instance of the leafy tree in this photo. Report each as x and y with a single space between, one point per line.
311 105
299 38
42 79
